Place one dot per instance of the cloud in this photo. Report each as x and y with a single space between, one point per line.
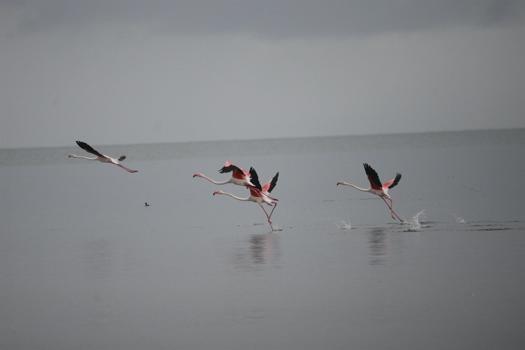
269 18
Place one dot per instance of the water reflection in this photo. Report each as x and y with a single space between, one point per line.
99 263
258 250
377 245
98 258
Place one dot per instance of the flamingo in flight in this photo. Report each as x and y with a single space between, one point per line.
379 189
100 157
239 176
258 194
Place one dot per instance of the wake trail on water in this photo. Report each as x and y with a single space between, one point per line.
343 225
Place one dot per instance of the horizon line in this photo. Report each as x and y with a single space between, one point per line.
276 138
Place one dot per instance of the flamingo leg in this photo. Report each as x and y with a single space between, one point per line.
126 168
274 206
392 211
267 216
390 206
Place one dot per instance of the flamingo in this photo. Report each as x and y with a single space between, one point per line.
258 194
380 190
239 176
100 157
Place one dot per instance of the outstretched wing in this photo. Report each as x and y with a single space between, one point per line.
89 149
255 179
271 185
375 183
392 182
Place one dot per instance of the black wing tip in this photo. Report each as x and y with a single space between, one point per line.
88 148
368 168
254 178
396 180
273 183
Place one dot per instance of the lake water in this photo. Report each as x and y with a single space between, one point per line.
85 265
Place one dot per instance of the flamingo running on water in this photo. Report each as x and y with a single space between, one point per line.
380 190
100 157
239 176
258 194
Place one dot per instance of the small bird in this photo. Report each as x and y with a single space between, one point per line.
239 176
380 190
146 204
258 194
100 157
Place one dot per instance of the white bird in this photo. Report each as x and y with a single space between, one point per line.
379 189
100 157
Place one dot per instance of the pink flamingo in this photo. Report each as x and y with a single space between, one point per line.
239 176
100 157
380 190
258 194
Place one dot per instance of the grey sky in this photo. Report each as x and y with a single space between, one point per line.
118 71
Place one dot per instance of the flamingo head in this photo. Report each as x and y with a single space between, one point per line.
225 167
197 175
339 183
218 192
70 156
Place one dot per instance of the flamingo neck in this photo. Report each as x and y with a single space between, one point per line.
234 196
82 157
354 186
213 181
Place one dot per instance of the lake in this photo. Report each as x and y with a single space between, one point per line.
84 264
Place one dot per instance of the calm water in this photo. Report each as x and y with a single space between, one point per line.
85 265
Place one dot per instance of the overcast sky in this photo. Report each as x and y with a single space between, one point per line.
122 71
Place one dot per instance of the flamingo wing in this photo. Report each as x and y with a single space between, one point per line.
255 179
392 182
375 183
89 149
271 185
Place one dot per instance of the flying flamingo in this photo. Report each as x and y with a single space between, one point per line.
258 194
380 190
100 157
239 176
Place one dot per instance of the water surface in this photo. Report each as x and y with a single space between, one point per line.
84 264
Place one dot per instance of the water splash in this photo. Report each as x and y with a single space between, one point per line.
459 219
343 225
414 224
